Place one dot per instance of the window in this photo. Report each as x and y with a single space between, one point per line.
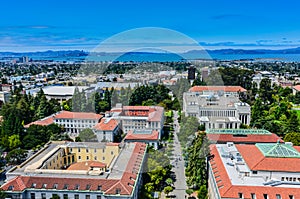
103 158
76 196
55 186
118 191
291 197
66 186
87 150
253 196
65 196
111 152
266 196
95 158
282 178
95 150
241 195
43 196
98 197
88 186
99 187
87 157
103 150
79 157
77 186
55 196
32 195
33 185
78 149
87 197
10 188
278 196
254 172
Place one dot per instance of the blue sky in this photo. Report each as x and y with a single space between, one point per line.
28 25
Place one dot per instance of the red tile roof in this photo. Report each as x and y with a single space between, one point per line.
222 138
297 87
65 115
139 136
108 186
227 190
77 115
42 122
106 125
22 182
154 113
258 162
86 165
217 88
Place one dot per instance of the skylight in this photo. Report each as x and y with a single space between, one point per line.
278 150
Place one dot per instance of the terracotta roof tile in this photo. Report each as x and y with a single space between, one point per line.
142 136
154 113
297 87
86 165
106 125
77 115
258 162
217 88
247 139
42 122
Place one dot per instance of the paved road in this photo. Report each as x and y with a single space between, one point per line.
180 183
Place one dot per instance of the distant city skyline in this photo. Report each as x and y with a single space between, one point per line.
68 25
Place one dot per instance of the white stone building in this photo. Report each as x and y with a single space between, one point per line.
217 107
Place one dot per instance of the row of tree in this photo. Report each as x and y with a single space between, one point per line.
157 176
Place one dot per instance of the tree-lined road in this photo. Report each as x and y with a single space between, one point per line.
178 162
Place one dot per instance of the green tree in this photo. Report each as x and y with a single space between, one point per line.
202 193
297 98
196 168
76 100
44 108
16 156
14 141
87 135
198 81
169 181
103 106
189 191
293 137
265 91
168 189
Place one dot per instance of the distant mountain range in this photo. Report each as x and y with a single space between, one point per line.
80 53
49 53
258 51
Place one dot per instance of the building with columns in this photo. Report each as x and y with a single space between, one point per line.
217 107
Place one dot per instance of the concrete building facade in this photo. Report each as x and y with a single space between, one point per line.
217 107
